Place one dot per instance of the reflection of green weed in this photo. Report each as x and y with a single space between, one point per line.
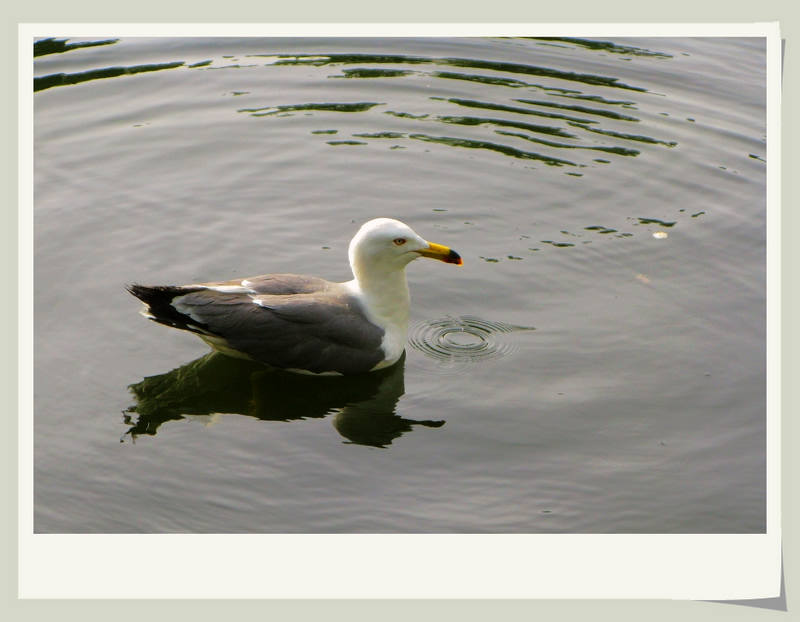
558 244
333 107
656 221
600 229
64 79
380 135
636 137
346 142
375 73
605 46
480 144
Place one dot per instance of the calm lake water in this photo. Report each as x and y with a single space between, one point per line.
597 365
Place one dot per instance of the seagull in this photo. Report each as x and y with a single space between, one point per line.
304 323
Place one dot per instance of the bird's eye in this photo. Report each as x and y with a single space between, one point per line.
399 241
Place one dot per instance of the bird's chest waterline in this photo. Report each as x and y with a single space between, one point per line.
394 322
393 345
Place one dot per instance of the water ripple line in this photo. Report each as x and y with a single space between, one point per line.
460 341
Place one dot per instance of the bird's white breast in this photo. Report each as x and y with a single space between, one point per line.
387 308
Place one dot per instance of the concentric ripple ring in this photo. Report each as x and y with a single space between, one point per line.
464 339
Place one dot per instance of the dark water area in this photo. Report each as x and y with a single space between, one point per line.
597 365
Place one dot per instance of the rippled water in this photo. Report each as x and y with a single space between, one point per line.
597 364
463 340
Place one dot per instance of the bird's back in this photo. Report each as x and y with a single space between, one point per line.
285 320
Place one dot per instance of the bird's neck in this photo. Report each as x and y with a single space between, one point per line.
385 293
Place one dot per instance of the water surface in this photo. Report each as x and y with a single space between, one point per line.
597 365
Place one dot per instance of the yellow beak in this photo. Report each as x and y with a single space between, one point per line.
442 253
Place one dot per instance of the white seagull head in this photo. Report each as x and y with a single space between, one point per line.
385 245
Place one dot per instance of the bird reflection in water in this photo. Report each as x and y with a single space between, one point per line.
215 384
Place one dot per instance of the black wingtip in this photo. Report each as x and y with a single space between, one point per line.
136 290
154 294
158 300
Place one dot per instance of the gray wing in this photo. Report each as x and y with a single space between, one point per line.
318 332
279 284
